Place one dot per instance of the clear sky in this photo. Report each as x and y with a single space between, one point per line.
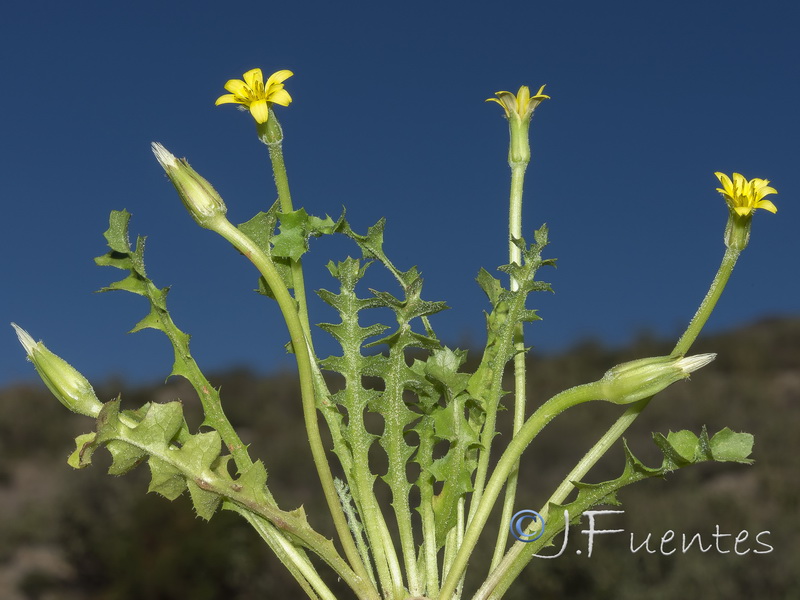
649 99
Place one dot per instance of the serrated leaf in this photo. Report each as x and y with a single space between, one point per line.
292 241
442 367
254 477
117 233
165 479
114 259
85 447
162 421
205 502
490 285
685 443
295 229
151 321
124 457
132 283
727 445
200 452
261 228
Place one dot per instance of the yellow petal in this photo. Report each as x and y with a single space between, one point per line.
727 184
762 188
523 97
767 205
281 97
279 76
253 77
742 211
260 111
238 88
227 99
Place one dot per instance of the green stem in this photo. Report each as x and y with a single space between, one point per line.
292 557
708 303
305 368
271 134
501 578
543 415
429 550
514 256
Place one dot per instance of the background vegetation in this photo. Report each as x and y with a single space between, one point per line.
85 535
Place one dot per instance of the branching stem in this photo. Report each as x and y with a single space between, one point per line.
501 577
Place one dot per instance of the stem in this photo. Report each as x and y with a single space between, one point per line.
514 256
429 550
304 365
543 415
272 137
501 578
708 303
293 558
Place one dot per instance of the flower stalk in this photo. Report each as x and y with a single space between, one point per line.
518 109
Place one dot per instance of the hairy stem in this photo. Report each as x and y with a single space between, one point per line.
514 256
306 372
272 137
543 415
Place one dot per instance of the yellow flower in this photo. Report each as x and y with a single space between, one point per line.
256 95
522 104
744 197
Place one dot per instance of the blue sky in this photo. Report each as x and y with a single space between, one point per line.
389 119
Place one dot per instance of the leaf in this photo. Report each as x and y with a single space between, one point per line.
728 446
205 502
117 233
85 447
165 479
679 450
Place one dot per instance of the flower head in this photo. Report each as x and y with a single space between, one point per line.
256 95
638 379
198 196
520 105
743 196
71 388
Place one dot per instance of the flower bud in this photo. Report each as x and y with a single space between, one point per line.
200 198
70 387
638 379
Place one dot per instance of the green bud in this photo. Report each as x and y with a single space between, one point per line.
70 387
200 198
638 379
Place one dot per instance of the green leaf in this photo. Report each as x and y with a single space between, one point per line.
204 501
729 446
85 447
165 479
124 457
679 450
292 241
117 233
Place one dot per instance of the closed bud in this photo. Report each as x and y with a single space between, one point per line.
71 388
639 379
198 196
